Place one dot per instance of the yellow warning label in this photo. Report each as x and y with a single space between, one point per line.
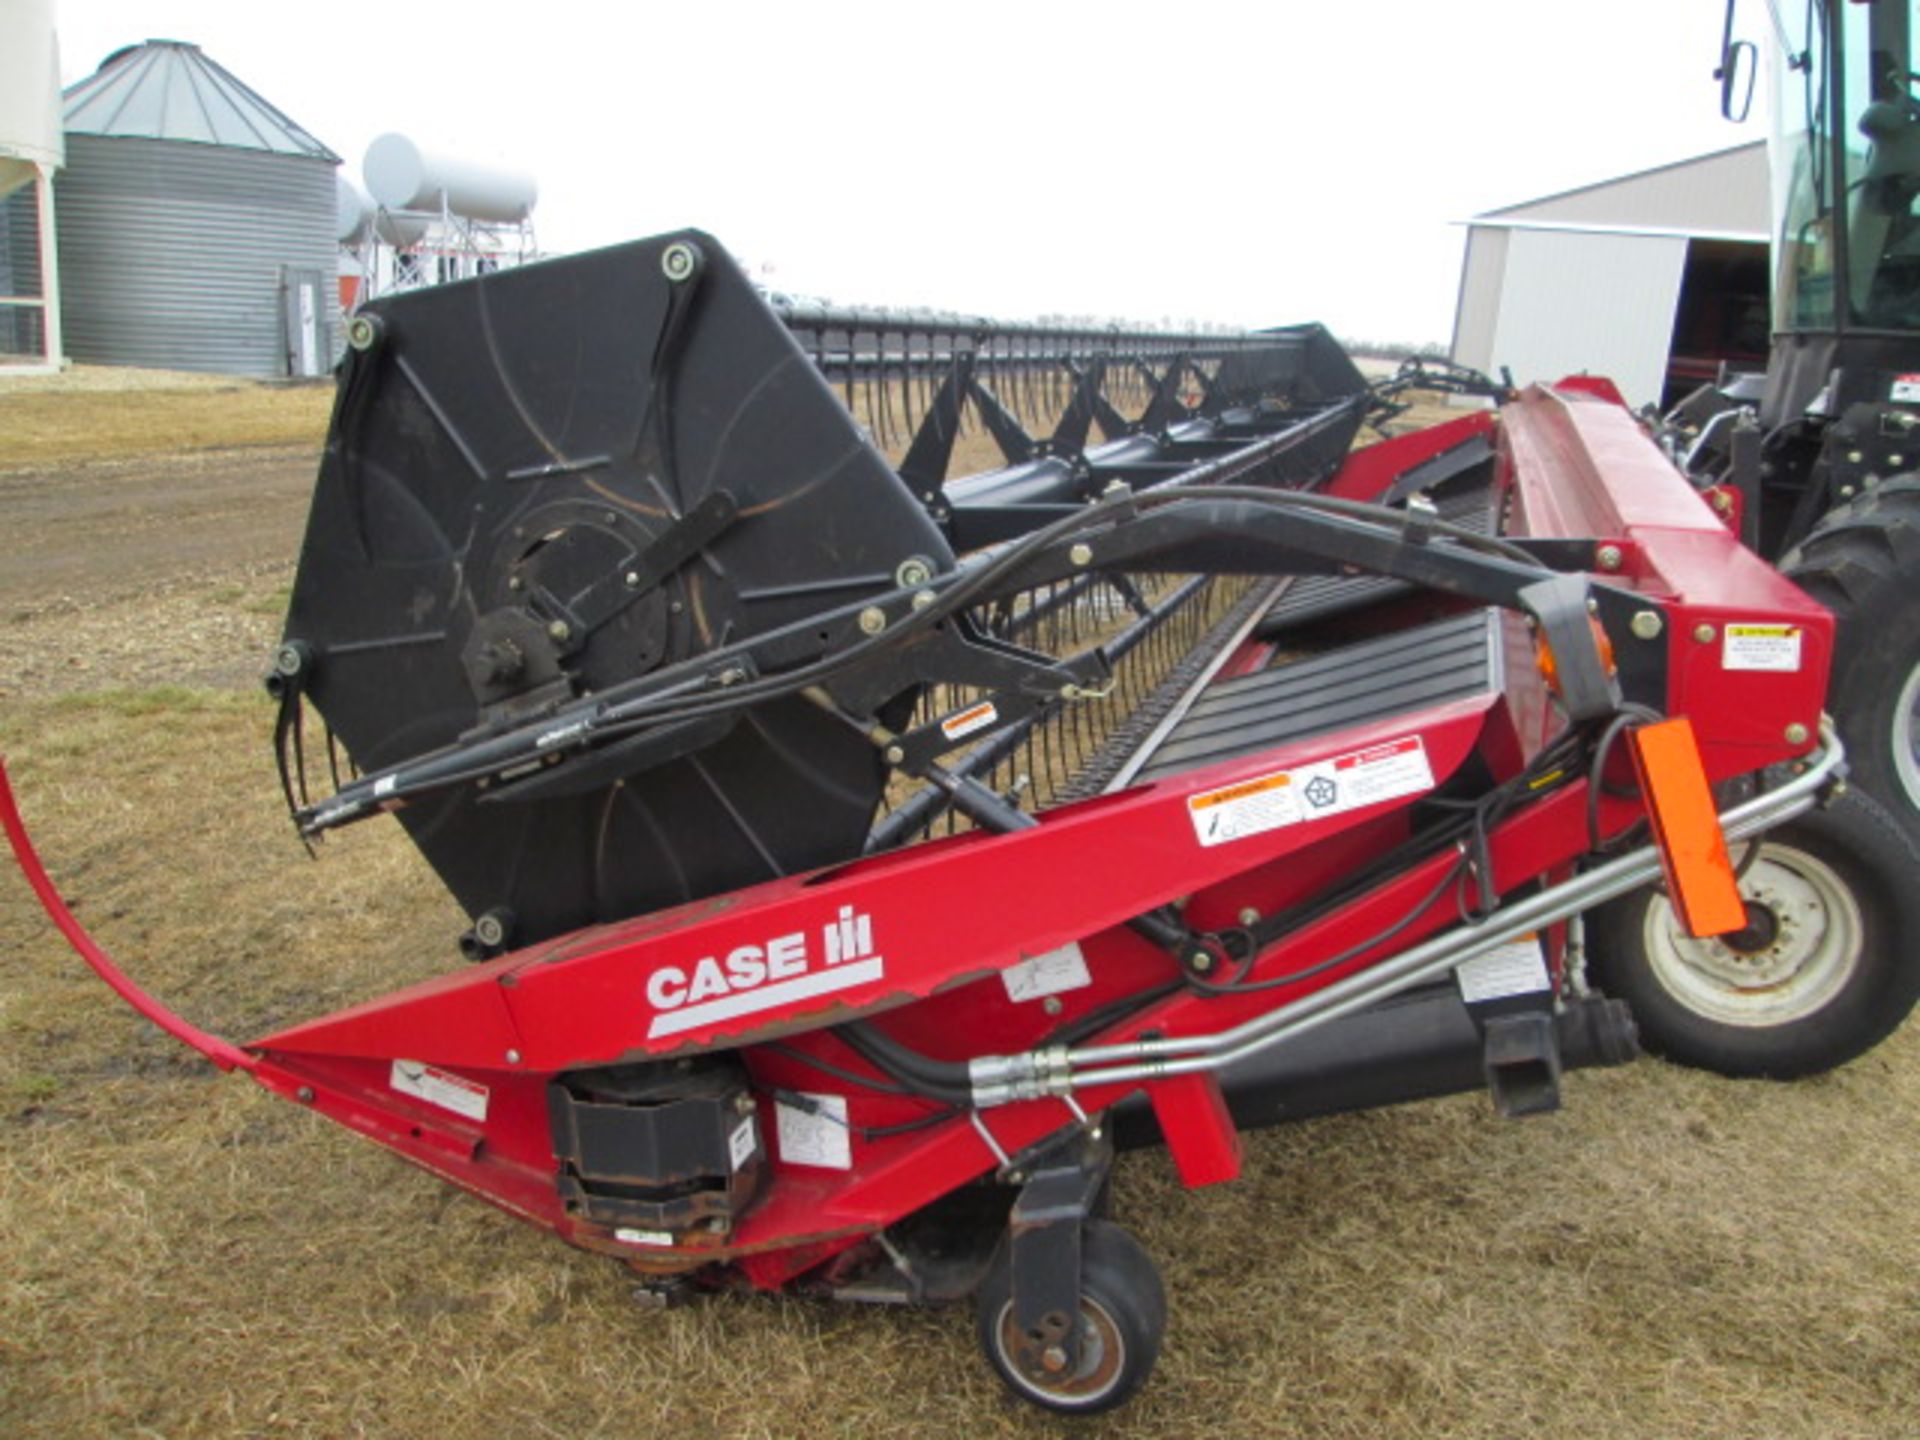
1240 791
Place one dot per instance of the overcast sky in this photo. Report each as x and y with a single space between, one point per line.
1254 164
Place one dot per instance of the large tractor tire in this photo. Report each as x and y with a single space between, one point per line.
1826 968
1862 561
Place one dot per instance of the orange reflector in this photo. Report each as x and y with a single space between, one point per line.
1686 826
1550 668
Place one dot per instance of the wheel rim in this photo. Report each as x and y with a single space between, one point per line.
1103 1356
1906 737
1776 972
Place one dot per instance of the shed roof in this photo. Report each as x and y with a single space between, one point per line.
168 90
1722 193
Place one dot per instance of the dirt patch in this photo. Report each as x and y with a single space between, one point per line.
180 1254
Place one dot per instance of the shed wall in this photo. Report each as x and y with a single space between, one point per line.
172 253
1603 304
1482 273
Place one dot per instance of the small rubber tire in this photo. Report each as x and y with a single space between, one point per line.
1862 561
1828 968
1123 1317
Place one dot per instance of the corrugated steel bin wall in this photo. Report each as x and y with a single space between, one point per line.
171 253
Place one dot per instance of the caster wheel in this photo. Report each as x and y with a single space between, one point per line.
1123 1314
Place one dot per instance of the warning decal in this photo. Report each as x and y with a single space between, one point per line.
816 1135
1048 974
1515 968
1311 792
1761 647
440 1087
1906 390
976 717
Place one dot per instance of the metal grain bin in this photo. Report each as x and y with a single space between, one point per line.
196 222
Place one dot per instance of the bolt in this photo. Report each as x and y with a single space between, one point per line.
1201 961
1052 1005
1081 554
632 577
304 1094
1704 634
678 261
1069 691
1249 916
922 599
894 754
732 675
913 571
490 929
1645 624
1609 557
513 1057
1846 492
1796 734
363 332
1722 502
559 631
873 620
1854 457
287 660
675 607
1896 461
514 582
743 1103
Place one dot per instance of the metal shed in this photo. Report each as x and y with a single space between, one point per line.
1653 278
196 222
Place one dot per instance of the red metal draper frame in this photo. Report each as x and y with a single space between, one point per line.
918 940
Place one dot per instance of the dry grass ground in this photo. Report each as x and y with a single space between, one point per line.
180 1255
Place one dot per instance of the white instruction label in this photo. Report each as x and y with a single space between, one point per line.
440 1087
642 1237
975 717
1311 792
809 1138
1515 968
740 1144
1761 647
1048 974
1906 390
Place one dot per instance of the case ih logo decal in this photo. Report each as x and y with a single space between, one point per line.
752 978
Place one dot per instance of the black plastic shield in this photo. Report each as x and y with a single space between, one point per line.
549 480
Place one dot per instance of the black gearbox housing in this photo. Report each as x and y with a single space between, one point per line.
665 1147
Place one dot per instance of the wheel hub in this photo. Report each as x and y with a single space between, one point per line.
1801 941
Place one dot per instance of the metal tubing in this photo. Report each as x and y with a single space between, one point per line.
1143 1060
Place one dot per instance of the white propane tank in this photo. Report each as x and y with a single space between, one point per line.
402 176
352 209
30 130
356 217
